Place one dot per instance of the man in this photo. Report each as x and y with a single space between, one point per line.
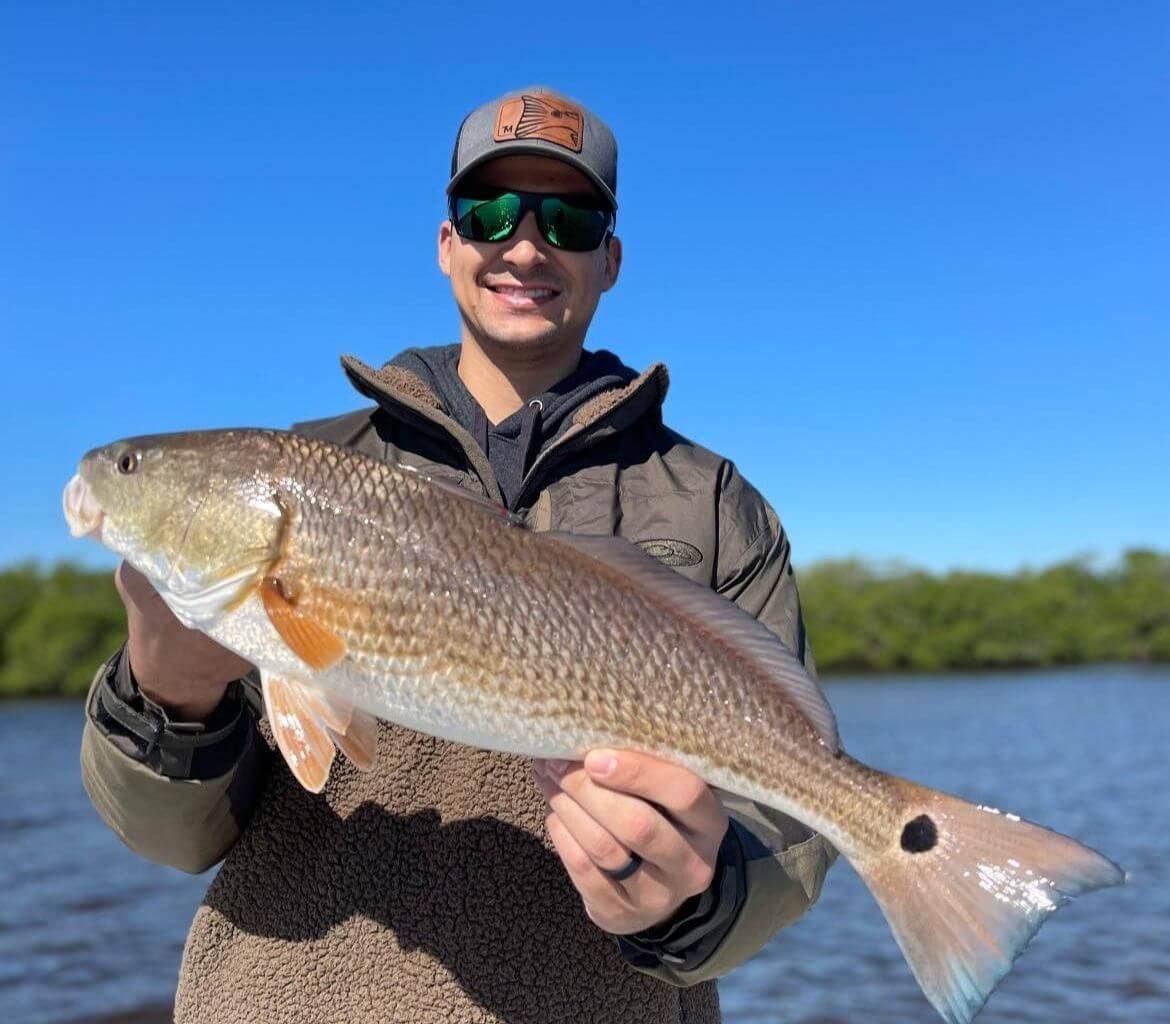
427 890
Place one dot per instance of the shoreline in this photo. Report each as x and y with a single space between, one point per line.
834 675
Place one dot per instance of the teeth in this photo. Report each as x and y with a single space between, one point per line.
525 293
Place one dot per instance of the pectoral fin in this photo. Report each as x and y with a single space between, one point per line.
316 645
302 738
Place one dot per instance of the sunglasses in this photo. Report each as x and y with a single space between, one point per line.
575 223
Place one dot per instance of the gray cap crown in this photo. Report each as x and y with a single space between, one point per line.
540 121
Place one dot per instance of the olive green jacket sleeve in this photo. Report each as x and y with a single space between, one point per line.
785 862
188 824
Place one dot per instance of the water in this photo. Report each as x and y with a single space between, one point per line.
90 933
1081 751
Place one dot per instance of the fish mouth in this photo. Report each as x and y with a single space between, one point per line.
82 511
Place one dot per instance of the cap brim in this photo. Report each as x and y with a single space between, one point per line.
536 149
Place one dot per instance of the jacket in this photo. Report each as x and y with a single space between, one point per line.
426 890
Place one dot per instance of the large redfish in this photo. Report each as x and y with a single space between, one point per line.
362 589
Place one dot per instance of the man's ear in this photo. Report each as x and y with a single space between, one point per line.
445 233
613 262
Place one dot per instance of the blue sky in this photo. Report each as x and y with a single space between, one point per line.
909 263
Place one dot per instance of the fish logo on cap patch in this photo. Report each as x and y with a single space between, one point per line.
549 119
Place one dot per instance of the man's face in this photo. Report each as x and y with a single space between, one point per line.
523 294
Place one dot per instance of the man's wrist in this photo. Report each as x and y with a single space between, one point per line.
190 704
151 734
694 931
190 709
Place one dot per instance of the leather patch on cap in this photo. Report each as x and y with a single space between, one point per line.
547 118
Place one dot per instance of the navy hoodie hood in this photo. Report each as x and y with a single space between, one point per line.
512 444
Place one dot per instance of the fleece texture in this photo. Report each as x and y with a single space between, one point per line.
394 897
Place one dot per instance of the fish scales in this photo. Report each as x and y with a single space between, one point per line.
531 627
361 589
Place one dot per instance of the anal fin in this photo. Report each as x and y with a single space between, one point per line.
334 711
359 742
354 731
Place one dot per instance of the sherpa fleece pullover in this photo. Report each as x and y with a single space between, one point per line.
426 890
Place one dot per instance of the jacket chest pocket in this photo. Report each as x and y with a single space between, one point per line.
673 525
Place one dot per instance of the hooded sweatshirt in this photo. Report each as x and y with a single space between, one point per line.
513 443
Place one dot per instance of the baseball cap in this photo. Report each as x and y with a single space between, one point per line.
540 121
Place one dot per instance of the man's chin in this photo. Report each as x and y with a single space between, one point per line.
537 334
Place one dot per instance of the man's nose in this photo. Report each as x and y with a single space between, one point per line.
526 247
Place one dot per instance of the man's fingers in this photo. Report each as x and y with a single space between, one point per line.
135 589
610 826
677 790
617 907
596 889
161 647
636 828
125 583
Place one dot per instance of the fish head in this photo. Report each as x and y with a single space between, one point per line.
199 514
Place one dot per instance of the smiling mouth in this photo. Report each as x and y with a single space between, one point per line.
534 294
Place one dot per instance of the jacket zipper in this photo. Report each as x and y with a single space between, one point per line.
572 442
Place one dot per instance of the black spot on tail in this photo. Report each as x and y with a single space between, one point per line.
919 835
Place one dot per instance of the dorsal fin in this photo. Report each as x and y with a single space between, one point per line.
713 612
494 507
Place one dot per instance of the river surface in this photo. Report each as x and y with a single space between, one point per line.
90 933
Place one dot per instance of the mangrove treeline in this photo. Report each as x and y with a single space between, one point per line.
861 619
57 625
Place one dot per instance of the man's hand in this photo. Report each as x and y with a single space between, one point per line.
182 669
618 803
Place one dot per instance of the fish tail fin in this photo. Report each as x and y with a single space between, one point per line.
964 889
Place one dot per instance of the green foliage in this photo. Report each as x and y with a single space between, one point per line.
863 619
57 626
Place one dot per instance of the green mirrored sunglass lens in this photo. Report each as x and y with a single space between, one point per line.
489 220
572 227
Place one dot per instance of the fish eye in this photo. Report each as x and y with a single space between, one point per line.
127 462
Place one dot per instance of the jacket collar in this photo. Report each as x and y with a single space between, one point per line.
406 397
396 386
